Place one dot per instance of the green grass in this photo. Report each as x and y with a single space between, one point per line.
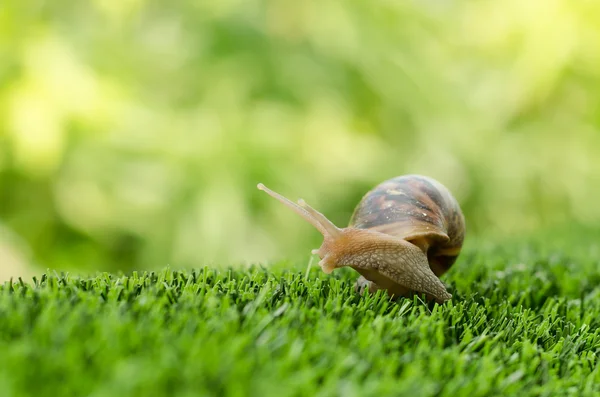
523 321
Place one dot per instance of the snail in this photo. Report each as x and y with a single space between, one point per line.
402 236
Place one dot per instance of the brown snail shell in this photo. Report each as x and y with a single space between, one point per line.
403 235
417 209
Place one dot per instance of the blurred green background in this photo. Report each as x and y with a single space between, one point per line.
133 133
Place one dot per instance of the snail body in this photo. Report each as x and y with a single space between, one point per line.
403 235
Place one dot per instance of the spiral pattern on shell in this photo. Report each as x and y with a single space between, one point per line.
418 209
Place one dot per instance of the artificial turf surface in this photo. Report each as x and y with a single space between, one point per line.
523 322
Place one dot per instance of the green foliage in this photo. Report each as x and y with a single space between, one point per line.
133 133
524 321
